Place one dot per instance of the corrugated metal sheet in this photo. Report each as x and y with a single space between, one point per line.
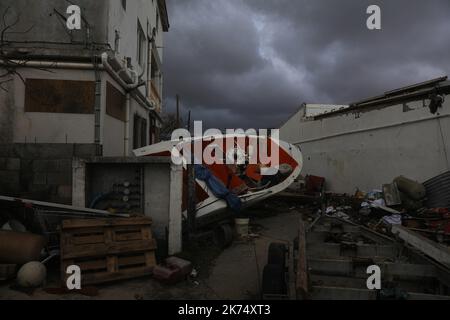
438 191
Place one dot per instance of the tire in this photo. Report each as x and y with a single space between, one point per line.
274 281
277 254
223 236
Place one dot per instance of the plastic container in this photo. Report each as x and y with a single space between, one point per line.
242 227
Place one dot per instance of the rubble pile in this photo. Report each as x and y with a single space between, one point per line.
403 202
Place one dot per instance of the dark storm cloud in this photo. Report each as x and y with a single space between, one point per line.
251 63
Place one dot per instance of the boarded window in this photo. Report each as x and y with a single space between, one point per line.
59 96
115 103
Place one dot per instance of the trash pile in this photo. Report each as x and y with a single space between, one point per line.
40 239
420 207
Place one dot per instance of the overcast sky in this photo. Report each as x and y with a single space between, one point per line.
252 63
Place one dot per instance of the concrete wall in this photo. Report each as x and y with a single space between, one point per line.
367 149
162 191
105 17
35 127
40 171
113 130
18 126
126 23
163 200
48 26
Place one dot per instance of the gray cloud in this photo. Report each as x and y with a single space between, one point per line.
251 63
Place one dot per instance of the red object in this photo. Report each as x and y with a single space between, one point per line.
177 263
167 275
314 184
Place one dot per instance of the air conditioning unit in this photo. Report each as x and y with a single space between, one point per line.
115 62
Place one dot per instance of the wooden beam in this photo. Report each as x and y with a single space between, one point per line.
348 267
338 293
426 246
302 268
334 250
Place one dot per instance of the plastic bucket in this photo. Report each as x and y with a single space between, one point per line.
242 227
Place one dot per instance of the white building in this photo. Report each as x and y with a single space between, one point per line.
373 141
99 85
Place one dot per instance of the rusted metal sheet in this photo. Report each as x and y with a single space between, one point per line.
438 191
59 96
115 103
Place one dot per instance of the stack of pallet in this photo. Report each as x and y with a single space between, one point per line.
108 249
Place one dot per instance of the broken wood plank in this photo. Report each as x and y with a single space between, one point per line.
334 250
425 245
302 268
92 223
339 293
78 210
348 267
99 250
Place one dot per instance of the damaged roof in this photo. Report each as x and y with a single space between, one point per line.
414 92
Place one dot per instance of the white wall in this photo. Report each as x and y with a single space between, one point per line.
126 23
48 127
369 149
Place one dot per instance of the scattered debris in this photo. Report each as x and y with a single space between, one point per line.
84 291
437 252
339 252
194 274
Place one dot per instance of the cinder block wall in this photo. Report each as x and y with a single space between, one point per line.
40 171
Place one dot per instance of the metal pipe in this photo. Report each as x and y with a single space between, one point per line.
126 144
98 110
50 64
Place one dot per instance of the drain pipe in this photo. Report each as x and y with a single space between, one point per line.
126 145
49 64
129 88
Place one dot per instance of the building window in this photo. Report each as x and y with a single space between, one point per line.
139 132
124 4
141 47
115 103
59 96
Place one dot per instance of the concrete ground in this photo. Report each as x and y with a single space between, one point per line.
232 274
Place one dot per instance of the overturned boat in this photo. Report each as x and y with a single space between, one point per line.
232 171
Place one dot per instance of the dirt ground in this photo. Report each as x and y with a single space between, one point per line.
232 274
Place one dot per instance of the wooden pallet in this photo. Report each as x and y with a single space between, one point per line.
108 249
7 271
